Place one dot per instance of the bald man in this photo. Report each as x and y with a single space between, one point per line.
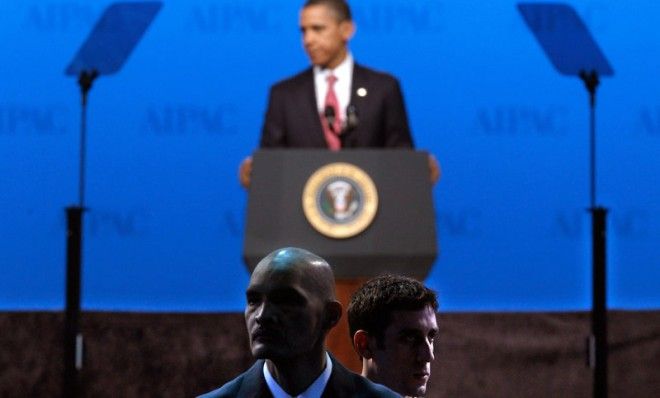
291 306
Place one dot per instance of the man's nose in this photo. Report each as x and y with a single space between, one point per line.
264 313
307 38
425 353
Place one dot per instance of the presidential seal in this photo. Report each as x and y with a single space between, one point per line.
340 200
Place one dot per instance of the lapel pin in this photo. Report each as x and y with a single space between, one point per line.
362 92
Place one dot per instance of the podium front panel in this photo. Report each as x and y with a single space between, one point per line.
401 239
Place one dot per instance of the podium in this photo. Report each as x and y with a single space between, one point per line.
399 237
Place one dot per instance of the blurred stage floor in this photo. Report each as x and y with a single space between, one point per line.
184 354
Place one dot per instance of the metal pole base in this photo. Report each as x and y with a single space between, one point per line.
598 338
72 336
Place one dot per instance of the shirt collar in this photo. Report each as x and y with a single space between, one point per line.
343 71
313 391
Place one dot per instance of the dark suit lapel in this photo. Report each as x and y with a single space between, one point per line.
340 383
360 81
309 107
253 384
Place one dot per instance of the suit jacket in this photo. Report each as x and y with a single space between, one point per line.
342 384
293 120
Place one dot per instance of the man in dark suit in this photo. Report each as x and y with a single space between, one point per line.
376 108
336 103
291 306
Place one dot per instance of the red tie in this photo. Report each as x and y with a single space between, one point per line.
332 138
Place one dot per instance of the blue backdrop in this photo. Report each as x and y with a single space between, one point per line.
165 226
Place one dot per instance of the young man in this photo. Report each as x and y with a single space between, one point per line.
290 308
393 325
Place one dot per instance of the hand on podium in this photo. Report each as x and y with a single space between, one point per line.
245 172
434 169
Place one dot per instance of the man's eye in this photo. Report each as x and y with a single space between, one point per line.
287 299
410 339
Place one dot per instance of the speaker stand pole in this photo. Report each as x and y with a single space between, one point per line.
598 339
73 341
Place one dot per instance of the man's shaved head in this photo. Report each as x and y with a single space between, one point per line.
291 305
315 272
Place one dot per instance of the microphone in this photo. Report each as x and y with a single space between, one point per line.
352 122
329 114
352 119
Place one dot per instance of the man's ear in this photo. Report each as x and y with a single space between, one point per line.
333 310
347 30
362 344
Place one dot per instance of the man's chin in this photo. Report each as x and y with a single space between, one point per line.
268 352
317 61
261 351
419 391
415 390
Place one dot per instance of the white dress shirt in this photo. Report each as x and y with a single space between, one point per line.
344 74
314 391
